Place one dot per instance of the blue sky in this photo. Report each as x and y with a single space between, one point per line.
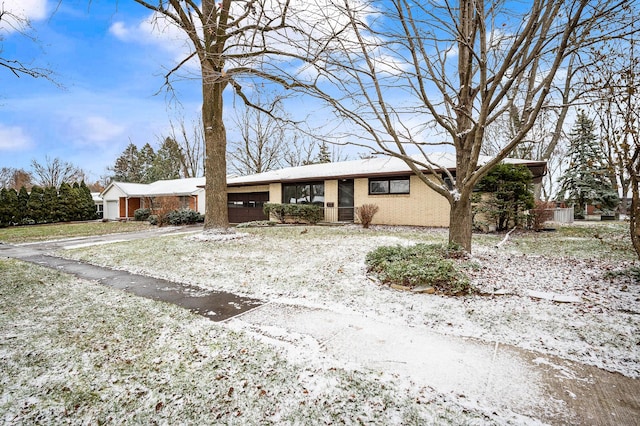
110 67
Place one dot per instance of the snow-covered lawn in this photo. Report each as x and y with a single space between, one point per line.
75 352
74 348
324 267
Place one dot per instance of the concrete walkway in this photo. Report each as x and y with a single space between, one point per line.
215 305
550 389
505 378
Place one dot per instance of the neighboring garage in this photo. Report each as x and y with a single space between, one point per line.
246 207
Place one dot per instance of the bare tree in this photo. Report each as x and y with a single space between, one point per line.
191 144
261 142
414 75
617 102
14 22
300 150
228 40
55 172
11 177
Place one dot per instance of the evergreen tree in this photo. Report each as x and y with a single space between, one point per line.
146 159
51 205
324 156
66 203
510 194
135 165
168 161
127 167
586 181
87 206
12 206
23 201
4 208
35 206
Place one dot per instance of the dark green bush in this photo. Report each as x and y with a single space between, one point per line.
299 213
308 213
420 264
275 210
153 219
184 217
142 214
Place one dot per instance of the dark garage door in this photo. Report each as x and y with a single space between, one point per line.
247 207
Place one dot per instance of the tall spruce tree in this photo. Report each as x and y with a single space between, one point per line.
586 180
127 167
51 205
23 201
168 161
86 206
8 206
35 206
146 158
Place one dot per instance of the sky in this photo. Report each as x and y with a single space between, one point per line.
108 69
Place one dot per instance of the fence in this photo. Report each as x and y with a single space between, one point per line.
338 214
564 215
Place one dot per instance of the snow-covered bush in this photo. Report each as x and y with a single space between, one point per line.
142 214
420 264
184 217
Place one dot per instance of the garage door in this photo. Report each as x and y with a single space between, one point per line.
247 207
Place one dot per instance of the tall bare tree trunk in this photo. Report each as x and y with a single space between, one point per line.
215 137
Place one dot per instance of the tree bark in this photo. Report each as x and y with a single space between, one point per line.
215 136
460 223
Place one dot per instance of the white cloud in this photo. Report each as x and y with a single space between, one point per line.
154 30
19 11
120 30
13 138
95 129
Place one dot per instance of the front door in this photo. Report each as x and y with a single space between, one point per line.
345 200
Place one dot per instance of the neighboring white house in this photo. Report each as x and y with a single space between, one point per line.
122 199
99 202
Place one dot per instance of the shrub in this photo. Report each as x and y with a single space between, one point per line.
275 210
183 217
365 214
153 219
299 213
142 214
541 213
308 213
421 264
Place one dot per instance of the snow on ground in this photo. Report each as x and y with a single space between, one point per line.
324 267
76 352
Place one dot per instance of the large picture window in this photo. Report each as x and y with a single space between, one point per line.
303 193
389 186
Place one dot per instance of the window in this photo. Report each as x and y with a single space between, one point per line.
389 186
303 193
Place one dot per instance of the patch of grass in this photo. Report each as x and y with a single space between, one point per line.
420 264
582 240
33 233
632 272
